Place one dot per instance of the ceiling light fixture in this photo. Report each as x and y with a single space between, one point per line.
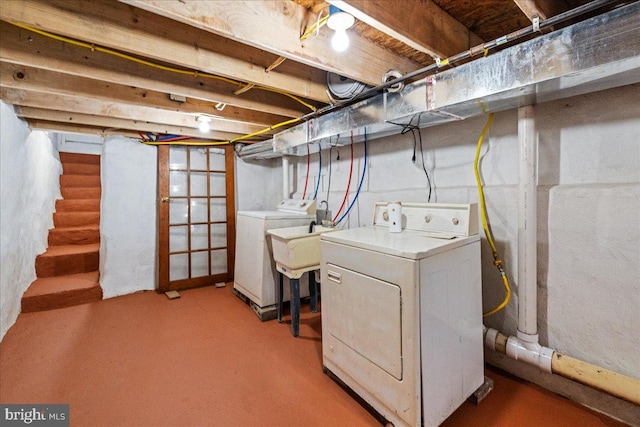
339 21
204 123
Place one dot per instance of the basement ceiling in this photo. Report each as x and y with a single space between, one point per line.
151 67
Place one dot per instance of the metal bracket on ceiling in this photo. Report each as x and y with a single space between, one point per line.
536 24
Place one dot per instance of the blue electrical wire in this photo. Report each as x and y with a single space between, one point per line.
364 171
319 171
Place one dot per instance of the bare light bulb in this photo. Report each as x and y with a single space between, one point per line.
204 125
340 41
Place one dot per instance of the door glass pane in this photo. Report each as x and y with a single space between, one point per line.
218 235
178 239
218 184
177 158
177 183
218 210
198 184
216 159
178 267
199 238
219 261
198 158
178 211
199 264
199 210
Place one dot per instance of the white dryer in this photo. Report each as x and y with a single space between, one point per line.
254 277
402 311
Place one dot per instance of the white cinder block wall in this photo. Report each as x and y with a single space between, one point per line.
29 187
588 213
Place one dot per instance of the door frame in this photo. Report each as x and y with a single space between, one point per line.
164 284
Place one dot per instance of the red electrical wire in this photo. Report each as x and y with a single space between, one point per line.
306 180
346 194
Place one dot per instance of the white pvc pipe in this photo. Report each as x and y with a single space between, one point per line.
285 177
550 361
527 217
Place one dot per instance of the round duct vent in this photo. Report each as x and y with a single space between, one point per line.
343 87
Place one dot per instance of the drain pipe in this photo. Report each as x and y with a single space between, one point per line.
524 346
285 177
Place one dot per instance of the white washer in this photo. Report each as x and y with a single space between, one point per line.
254 277
402 312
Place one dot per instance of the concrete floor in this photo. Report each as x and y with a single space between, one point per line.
206 360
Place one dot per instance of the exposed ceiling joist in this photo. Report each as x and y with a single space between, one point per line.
83 105
33 79
77 128
541 8
41 114
118 26
420 24
26 48
275 26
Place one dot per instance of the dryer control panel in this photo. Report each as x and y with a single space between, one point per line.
433 218
300 206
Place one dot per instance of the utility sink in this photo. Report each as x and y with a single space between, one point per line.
297 251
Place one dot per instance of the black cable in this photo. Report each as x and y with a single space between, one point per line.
329 183
409 127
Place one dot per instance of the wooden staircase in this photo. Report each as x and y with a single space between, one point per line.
68 272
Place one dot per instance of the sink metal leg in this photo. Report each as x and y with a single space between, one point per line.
295 306
313 292
279 297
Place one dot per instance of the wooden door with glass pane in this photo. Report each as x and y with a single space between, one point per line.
196 216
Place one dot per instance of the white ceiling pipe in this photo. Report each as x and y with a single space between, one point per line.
596 377
285 177
527 218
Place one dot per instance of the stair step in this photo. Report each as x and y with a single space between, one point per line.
81 193
64 291
74 181
78 205
68 259
75 219
81 235
91 159
81 169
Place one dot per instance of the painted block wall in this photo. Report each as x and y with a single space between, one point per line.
588 212
258 184
29 186
128 218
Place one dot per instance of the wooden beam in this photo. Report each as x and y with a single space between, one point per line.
33 79
423 25
541 8
27 48
96 107
74 128
275 26
70 118
125 28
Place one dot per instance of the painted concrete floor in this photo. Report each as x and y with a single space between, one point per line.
205 360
